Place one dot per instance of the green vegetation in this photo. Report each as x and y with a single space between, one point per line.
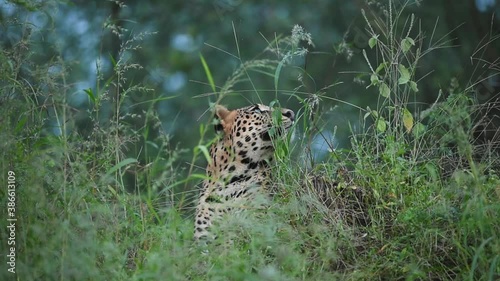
416 196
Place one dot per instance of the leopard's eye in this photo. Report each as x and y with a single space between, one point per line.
256 108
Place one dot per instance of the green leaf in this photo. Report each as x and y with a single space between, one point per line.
418 129
20 124
381 67
202 128
405 75
366 115
373 41
413 86
374 79
406 44
90 94
277 74
381 125
384 90
122 163
204 150
407 120
153 145
11 65
113 61
208 73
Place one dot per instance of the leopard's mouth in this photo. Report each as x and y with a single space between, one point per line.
277 132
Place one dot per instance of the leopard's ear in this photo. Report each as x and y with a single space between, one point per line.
221 112
225 118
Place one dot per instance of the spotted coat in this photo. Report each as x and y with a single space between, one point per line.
239 164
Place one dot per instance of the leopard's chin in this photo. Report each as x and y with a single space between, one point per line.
279 132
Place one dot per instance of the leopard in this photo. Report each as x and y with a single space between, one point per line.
239 163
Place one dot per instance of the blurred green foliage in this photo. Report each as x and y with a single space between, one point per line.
81 37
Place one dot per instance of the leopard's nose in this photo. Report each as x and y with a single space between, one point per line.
289 114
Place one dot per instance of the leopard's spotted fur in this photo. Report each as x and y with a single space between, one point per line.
239 164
